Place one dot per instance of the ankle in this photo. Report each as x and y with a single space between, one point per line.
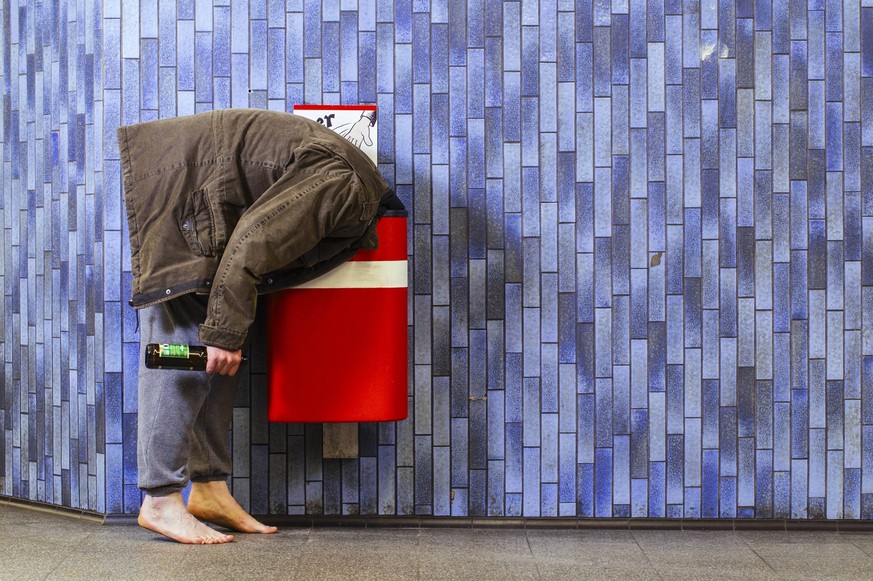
162 502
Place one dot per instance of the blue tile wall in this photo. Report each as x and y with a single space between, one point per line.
641 249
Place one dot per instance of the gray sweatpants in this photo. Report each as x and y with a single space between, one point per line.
184 416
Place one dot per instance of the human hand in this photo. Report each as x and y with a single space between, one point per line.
222 361
359 132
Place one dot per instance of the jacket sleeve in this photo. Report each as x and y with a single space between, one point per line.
286 222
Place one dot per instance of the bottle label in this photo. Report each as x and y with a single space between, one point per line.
170 350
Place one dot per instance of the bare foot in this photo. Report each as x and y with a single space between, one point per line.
212 502
167 515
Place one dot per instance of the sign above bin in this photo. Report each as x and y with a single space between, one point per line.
357 123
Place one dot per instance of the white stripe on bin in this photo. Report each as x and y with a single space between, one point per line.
361 274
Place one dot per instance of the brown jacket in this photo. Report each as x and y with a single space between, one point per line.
235 202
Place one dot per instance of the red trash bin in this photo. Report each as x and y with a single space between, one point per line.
337 347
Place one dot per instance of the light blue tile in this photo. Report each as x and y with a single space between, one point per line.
655 147
852 303
602 132
621 470
835 339
567 479
675 330
691 173
549 448
851 86
852 156
601 12
673 123
585 154
709 134
549 378
620 130
692 379
692 243
799 489
531 505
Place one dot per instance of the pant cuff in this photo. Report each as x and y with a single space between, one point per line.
163 490
213 478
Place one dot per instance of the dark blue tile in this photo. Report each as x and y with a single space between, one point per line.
800 423
745 53
620 56
638 303
709 194
799 285
657 356
692 236
764 484
727 94
867 392
602 272
710 414
834 67
835 411
585 490
603 482
852 493
639 448
817 257
129 423
604 406
692 312
331 488
709 490
530 77
867 42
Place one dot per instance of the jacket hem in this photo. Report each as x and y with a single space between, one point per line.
142 300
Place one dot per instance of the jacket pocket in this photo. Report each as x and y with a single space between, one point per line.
198 223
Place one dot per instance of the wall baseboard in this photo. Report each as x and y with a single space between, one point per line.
52 508
563 523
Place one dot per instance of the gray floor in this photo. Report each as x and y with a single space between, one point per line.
41 545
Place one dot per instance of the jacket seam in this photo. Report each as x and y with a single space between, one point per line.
180 165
